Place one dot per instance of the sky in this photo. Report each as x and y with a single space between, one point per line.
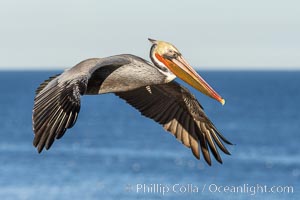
211 34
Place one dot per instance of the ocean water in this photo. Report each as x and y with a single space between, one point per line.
115 153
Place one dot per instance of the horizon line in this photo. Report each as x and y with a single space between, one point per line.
214 68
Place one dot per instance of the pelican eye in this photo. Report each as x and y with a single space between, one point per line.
171 54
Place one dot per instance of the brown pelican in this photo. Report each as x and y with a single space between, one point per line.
149 88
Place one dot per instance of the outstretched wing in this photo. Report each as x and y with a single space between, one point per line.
174 107
57 101
56 107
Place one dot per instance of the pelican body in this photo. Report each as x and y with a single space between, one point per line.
150 88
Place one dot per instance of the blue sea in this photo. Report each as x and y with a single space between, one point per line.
115 153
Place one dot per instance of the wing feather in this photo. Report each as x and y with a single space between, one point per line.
194 140
56 108
185 134
181 114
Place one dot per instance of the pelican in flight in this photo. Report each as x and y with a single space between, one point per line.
150 88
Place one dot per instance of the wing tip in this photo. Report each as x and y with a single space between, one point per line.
40 148
197 155
208 161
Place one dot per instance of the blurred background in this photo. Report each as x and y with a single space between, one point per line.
247 50
218 34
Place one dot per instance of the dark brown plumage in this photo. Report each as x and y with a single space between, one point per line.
174 107
55 110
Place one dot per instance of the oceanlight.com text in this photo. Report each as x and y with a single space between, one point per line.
163 189
249 189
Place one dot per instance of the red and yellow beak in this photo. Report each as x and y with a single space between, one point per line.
180 67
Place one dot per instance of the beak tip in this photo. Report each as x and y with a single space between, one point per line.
222 102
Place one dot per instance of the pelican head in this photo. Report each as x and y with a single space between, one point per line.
168 58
